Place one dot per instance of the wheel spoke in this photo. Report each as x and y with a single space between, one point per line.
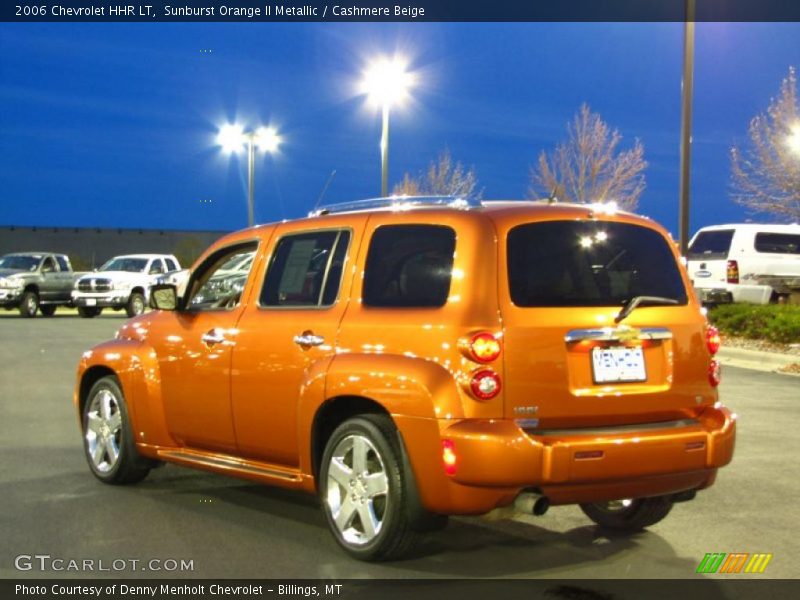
98 453
112 449
105 406
368 519
359 455
376 484
340 472
345 514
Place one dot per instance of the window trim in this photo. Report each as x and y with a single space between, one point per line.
780 233
183 305
339 231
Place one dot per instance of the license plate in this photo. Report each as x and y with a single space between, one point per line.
616 364
91 302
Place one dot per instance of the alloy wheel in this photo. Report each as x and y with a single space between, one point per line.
103 430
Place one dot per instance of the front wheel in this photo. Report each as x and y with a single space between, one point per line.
29 304
108 437
48 310
362 491
629 514
135 305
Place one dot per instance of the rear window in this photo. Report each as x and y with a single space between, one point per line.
409 266
577 263
778 243
711 244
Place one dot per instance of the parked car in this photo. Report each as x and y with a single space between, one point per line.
409 360
745 262
122 283
31 281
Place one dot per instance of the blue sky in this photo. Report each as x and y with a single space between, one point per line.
112 124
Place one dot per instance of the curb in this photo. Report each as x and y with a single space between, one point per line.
757 360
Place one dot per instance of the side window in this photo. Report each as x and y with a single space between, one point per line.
306 269
778 243
409 266
171 265
156 267
49 265
62 263
218 282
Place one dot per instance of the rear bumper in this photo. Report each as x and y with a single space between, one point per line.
496 460
738 292
714 296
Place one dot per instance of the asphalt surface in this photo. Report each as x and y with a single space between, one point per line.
52 505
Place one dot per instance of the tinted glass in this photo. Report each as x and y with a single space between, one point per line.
297 272
18 262
711 244
156 267
62 263
589 263
131 265
409 266
171 265
778 243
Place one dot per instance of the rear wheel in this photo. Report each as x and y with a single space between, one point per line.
89 312
135 305
48 310
629 514
29 304
108 437
362 491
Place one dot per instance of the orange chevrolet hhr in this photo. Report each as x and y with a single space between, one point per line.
412 358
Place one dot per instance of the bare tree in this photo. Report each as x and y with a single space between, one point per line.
443 178
587 167
765 176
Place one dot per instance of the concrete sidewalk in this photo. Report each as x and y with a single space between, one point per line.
758 360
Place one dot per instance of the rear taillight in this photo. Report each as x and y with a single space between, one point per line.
449 458
732 271
713 340
483 347
484 384
714 373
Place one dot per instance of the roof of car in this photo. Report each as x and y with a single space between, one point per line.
145 256
776 227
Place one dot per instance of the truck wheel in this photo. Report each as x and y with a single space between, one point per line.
48 310
108 437
29 304
135 305
630 514
362 491
89 312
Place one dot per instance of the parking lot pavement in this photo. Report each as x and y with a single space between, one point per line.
229 528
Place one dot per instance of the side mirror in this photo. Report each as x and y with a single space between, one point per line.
164 296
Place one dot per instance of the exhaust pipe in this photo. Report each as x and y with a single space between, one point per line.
532 503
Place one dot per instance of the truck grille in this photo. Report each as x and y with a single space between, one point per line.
94 285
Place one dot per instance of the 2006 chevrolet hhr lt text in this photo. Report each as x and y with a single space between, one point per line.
412 358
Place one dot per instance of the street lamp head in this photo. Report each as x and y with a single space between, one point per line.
793 141
267 139
386 81
231 137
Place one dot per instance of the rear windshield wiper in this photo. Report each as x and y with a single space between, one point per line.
631 305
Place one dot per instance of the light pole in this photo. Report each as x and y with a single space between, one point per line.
233 137
686 125
386 83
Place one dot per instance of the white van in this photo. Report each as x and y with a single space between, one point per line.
744 262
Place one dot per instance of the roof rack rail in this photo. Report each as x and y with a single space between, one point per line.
397 203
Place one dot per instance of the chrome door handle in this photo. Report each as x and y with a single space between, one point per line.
214 336
308 339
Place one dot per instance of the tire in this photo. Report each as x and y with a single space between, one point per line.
48 310
89 312
108 437
629 515
135 305
370 524
29 304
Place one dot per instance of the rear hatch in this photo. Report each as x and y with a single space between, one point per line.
708 258
567 363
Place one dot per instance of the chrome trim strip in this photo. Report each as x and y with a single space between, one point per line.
610 334
229 463
677 424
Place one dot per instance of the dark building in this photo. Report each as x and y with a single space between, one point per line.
89 247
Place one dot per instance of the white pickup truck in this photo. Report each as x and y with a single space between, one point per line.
122 283
745 262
